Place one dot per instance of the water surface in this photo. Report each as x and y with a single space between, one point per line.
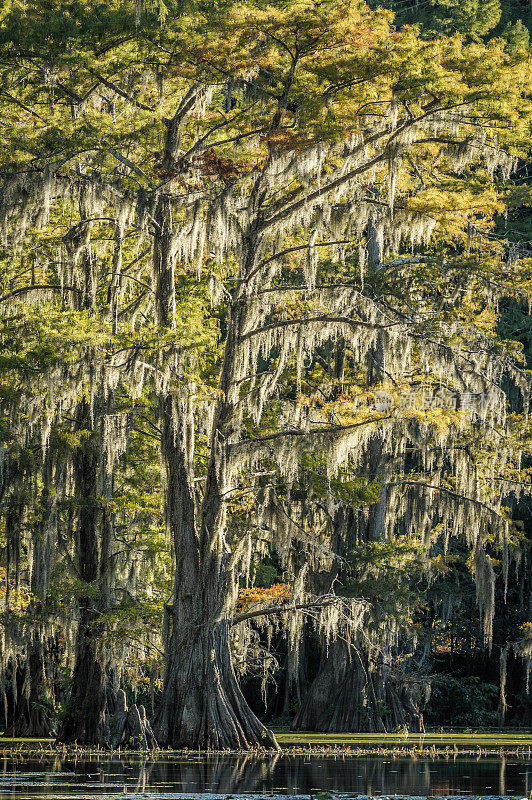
278 775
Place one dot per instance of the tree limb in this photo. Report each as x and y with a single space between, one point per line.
281 608
114 88
353 323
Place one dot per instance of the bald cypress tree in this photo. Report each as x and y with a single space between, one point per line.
302 158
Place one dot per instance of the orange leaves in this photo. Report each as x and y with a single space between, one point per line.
207 163
277 593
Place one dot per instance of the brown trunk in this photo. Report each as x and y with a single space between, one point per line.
85 721
203 706
349 695
30 716
31 713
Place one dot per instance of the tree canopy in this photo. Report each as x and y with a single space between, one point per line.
255 293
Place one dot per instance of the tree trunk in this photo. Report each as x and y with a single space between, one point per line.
30 717
85 720
202 704
350 694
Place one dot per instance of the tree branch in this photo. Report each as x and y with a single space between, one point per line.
127 163
114 88
280 608
449 492
298 432
131 278
321 192
291 250
21 105
353 323
54 286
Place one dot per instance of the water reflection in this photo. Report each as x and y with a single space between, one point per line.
279 774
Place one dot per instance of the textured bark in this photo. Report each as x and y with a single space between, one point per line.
130 727
203 705
30 718
376 468
118 721
86 720
347 695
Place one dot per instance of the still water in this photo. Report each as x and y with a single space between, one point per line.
167 776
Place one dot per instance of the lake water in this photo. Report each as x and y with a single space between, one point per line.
168 776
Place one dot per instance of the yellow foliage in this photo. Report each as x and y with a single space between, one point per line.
277 593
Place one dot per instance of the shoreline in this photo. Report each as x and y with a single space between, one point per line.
25 750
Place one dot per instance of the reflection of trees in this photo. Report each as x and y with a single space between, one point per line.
502 776
222 774
293 774
143 781
372 776
375 776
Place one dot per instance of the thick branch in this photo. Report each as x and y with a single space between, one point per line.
21 105
280 608
114 88
291 250
323 191
298 432
353 323
450 493
127 163
54 286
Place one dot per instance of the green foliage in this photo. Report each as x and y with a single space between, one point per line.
387 575
347 487
265 573
473 18
462 701
509 19
515 323
517 36
87 90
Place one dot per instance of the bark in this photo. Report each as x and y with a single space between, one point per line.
227 719
374 245
377 468
31 718
130 727
202 704
350 695
86 720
